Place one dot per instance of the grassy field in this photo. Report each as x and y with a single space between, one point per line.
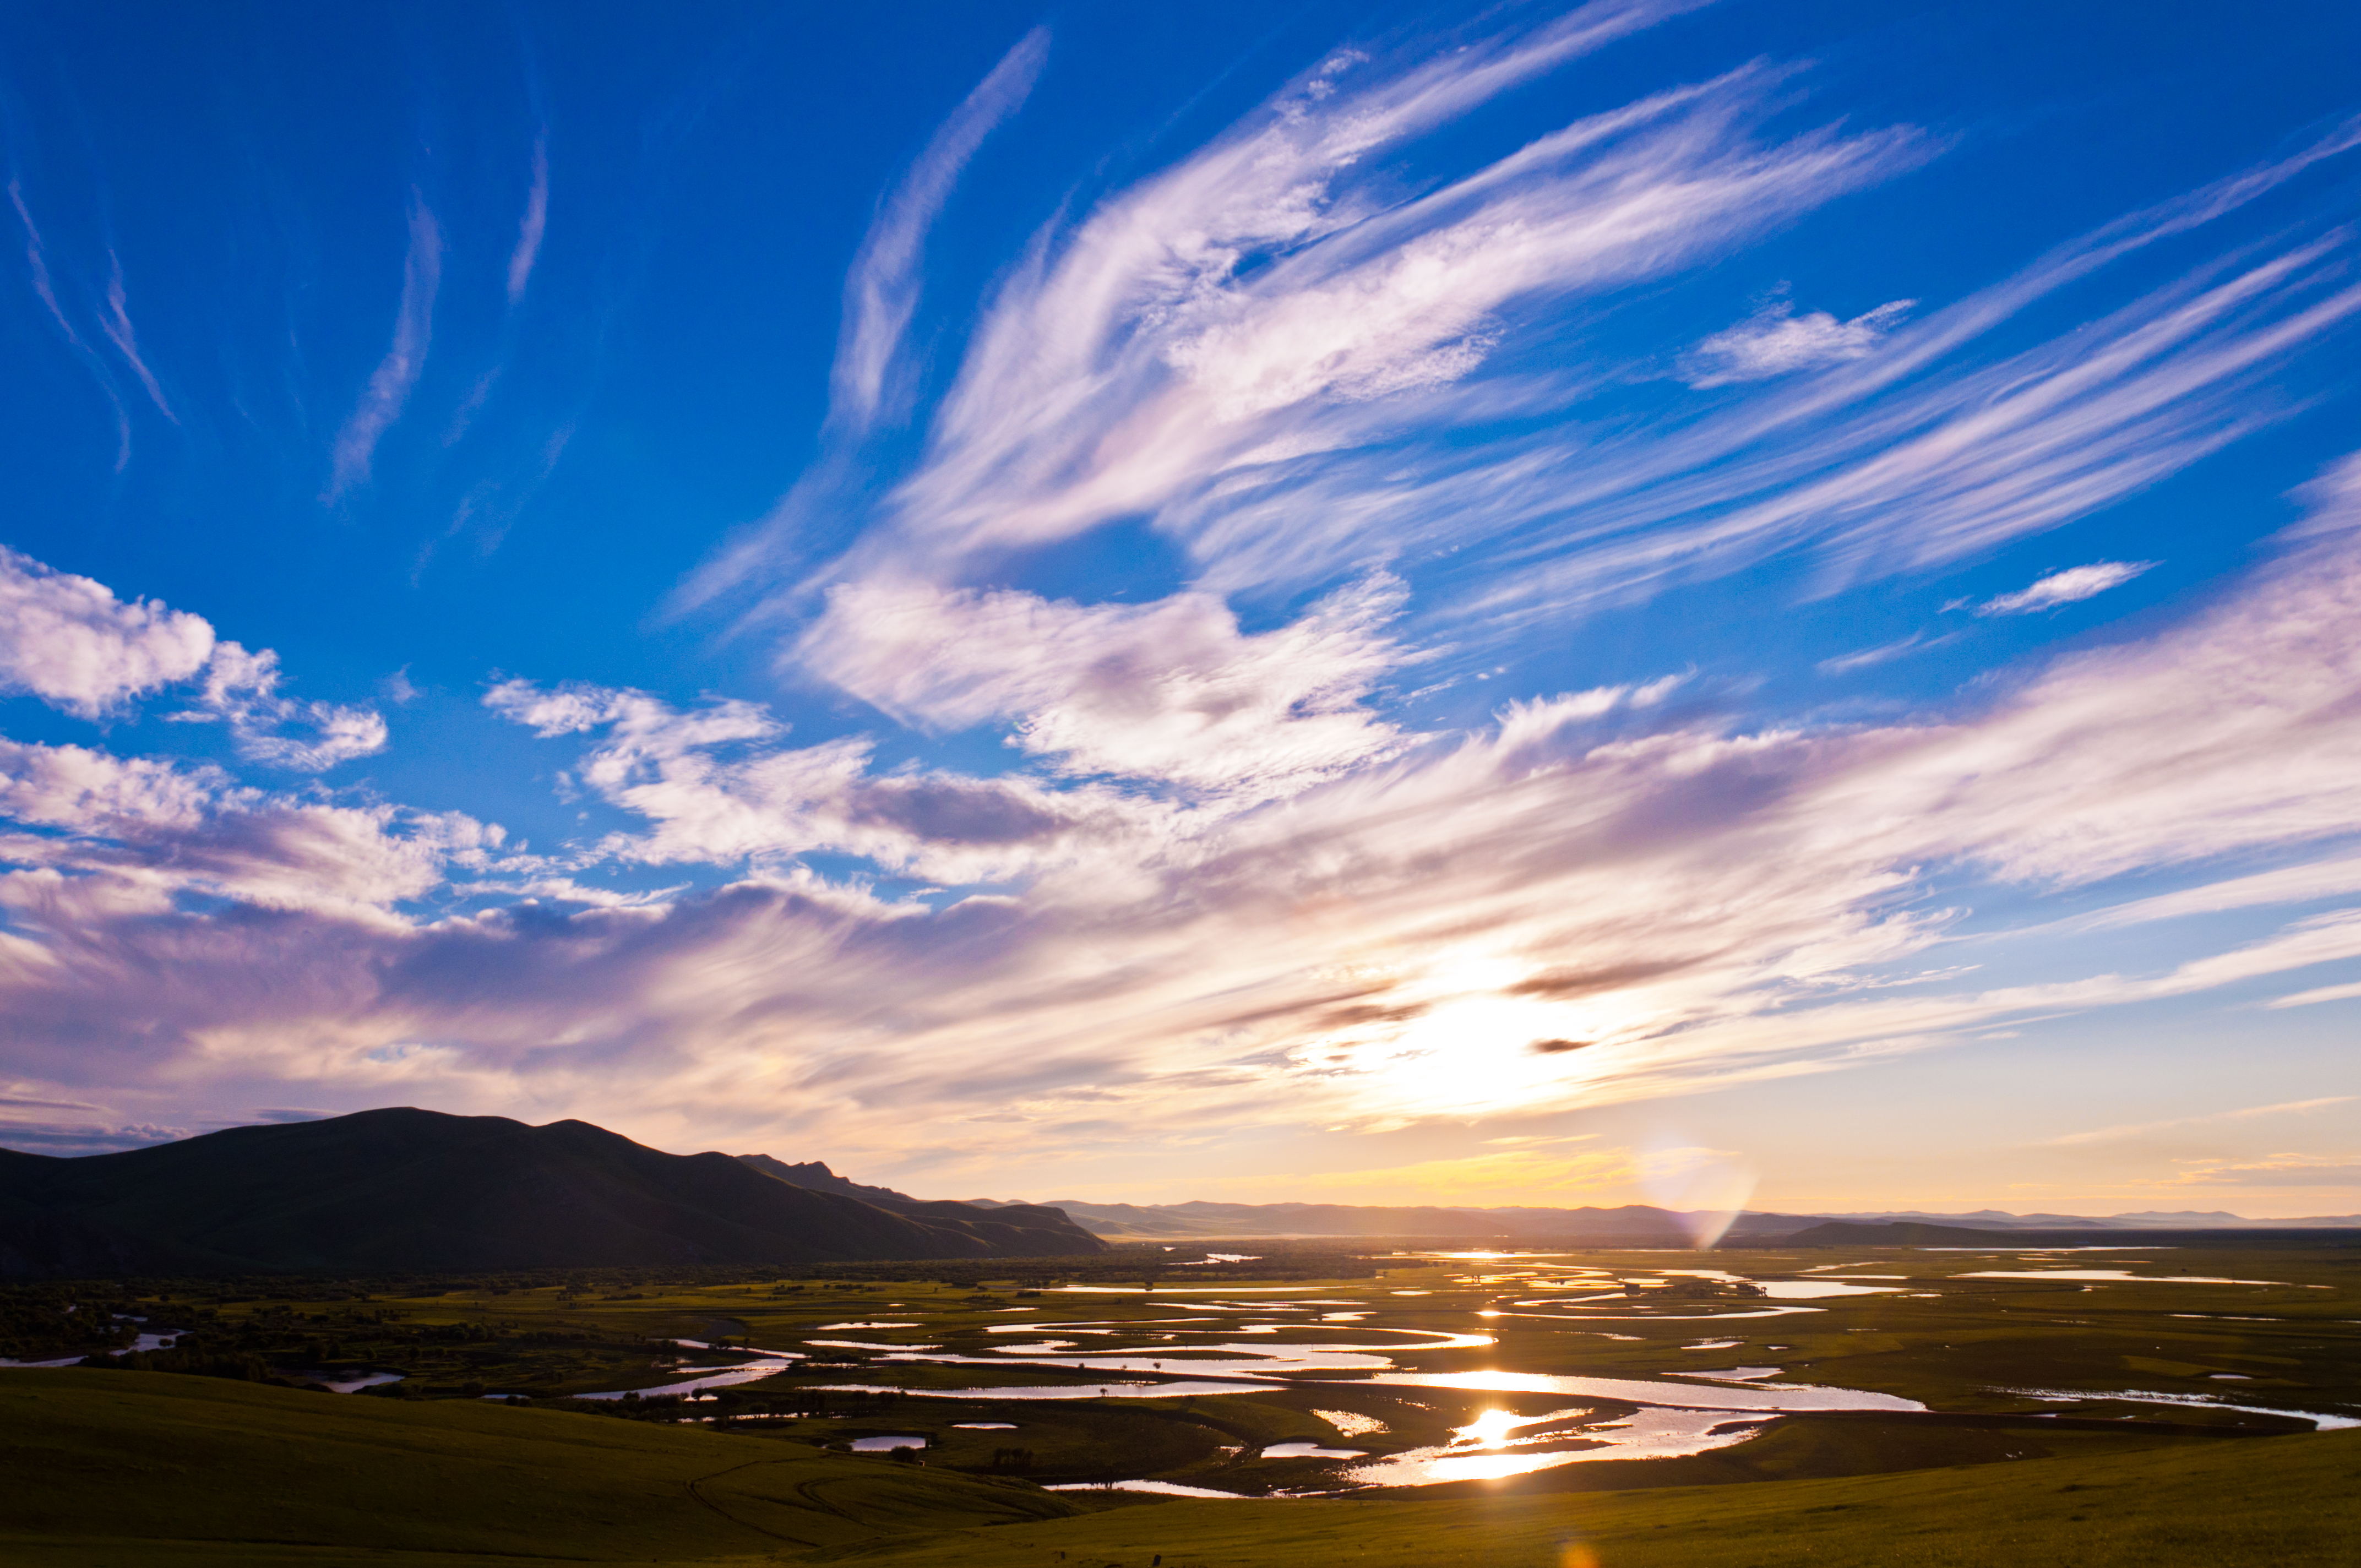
2115 1406
95 1460
149 1468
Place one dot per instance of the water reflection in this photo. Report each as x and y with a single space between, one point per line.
2320 1420
1647 1433
2123 1275
1162 1489
1183 1389
1641 1391
840 1328
717 1378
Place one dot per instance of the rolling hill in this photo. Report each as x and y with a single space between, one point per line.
401 1190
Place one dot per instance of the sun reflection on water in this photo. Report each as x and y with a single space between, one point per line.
1490 1429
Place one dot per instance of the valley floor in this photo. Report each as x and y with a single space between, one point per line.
111 1471
1750 1408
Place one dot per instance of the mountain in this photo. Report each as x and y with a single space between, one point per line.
1914 1232
404 1189
1633 1224
1028 1230
815 1176
2147 1220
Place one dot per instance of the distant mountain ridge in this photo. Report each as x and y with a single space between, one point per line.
2146 1220
815 1176
1631 1225
1047 1228
405 1190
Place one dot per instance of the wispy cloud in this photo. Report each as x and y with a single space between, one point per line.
2315 997
1150 363
2332 1173
37 261
870 380
397 374
719 788
1930 474
2071 586
1295 373
1883 653
2248 1113
2290 884
116 324
535 221
1170 691
881 290
1775 341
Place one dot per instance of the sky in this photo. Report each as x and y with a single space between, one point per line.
1654 602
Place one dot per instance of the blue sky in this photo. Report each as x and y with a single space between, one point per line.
1502 605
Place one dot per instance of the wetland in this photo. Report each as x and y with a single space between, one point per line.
1375 1369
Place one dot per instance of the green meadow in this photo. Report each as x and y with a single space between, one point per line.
2163 1418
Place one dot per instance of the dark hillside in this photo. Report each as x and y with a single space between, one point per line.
1011 1228
408 1189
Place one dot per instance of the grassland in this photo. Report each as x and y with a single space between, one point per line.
2094 1421
149 1468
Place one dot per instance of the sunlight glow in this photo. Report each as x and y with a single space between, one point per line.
1490 1429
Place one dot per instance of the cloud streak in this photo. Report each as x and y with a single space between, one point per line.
1777 342
389 385
2108 1135
880 292
532 224
37 263
2071 586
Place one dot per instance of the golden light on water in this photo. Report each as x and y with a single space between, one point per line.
1490 1428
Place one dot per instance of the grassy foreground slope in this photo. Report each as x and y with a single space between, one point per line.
134 1468
106 1468
2289 1502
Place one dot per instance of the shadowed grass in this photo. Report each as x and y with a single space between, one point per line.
129 1469
115 1458
2276 1503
